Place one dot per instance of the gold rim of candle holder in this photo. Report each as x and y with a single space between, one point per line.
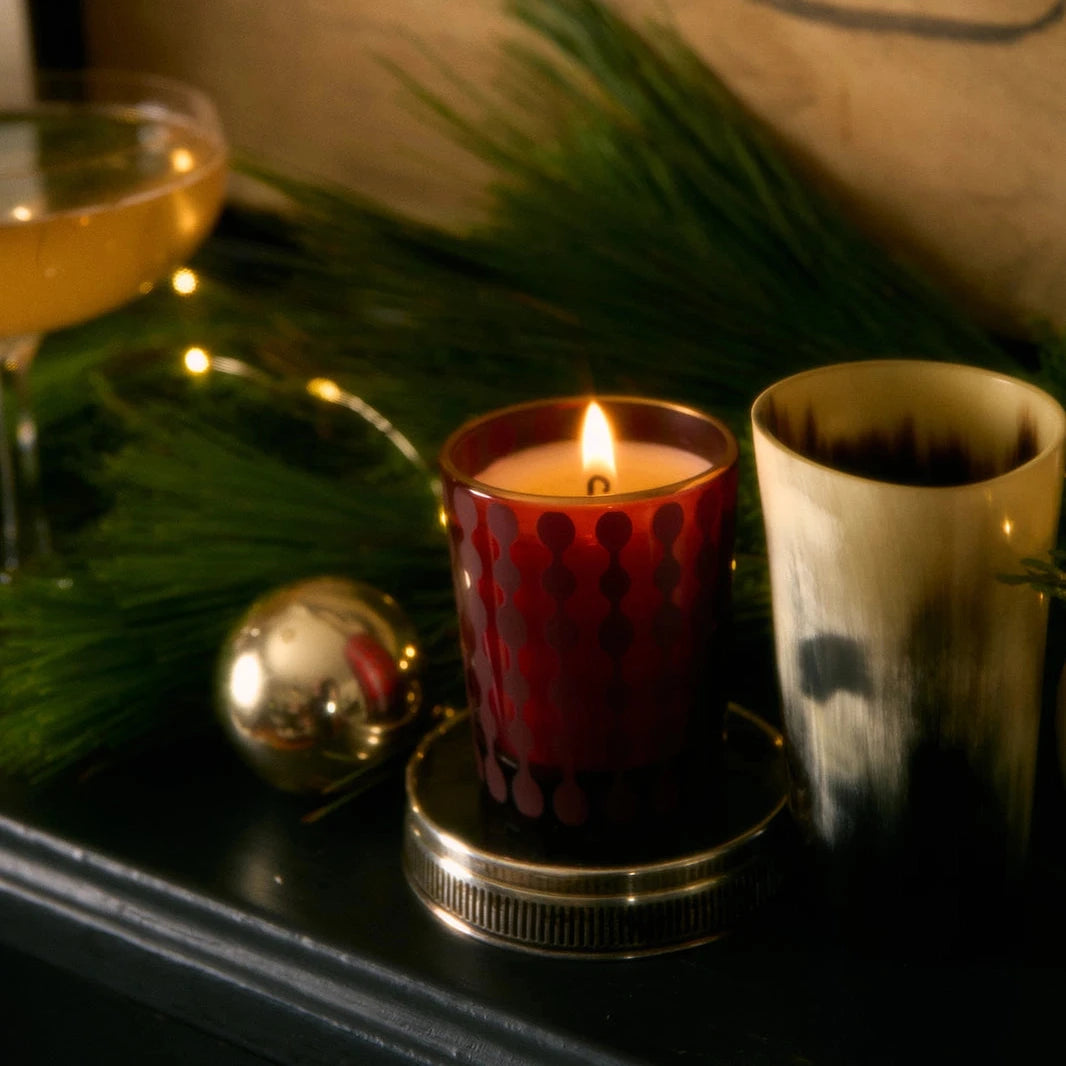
494 893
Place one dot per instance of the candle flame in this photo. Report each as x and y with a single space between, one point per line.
597 444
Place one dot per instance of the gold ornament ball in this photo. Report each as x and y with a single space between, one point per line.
316 679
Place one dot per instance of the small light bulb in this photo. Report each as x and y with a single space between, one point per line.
324 389
181 159
184 281
197 361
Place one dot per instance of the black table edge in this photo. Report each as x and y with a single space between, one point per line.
239 975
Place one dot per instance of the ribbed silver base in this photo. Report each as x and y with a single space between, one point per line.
486 884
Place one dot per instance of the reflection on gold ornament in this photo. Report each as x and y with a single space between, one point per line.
316 679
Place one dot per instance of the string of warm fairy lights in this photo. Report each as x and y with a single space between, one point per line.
198 361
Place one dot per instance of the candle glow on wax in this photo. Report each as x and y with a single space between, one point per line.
596 465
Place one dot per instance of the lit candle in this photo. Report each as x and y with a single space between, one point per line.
594 465
593 586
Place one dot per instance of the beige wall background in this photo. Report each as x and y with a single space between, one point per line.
943 122
16 67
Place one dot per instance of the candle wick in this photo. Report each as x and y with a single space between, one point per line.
590 489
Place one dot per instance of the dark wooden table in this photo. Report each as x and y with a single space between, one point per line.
175 909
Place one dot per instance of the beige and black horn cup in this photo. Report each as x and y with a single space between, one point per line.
896 494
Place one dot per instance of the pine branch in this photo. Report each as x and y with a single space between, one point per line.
1045 575
202 525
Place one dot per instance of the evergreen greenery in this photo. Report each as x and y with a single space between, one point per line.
645 235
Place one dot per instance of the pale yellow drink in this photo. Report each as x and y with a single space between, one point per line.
96 204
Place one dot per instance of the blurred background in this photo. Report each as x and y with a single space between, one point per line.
940 121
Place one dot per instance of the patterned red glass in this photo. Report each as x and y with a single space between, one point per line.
592 627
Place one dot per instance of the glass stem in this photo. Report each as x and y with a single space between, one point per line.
24 525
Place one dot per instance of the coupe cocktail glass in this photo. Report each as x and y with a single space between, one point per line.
107 182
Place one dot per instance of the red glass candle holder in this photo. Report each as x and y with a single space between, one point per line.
592 627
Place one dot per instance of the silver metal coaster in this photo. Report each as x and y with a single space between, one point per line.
493 885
